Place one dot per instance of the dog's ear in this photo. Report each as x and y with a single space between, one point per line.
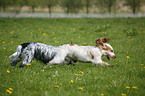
99 42
105 39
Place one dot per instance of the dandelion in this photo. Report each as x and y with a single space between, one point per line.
74 29
76 74
60 84
141 64
80 88
28 64
52 32
123 94
78 36
6 56
81 72
8 71
71 81
127 57
12 32
4 48
127 87
3 42
45 34
84 43
56 86
9 91
56 41
102 94
134 87
12 42
144 67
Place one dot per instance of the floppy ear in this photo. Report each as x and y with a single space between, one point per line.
99 43
105 39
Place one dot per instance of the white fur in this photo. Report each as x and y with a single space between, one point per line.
81 53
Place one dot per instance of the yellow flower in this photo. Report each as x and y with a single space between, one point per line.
127 57
32 61
56 86
144 67
78 36
71 81
12 42
28 64
141 64
123 94
81 72
84 43
4 48
52 32
56 41
76 74
10 89
6 56
127 87
80 88
60 84
8 71
3 42
12 32
134 87
74 29
102 94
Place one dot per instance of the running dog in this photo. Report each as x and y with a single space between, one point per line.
85 53
28 51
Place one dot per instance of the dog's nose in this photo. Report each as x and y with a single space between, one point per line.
114 56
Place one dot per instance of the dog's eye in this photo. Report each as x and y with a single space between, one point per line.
111 50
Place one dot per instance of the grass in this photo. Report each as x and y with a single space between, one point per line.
127 78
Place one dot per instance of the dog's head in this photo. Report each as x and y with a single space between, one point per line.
106 48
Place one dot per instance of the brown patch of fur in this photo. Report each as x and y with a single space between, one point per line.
99 43
105 39
71 44
92 56
107 48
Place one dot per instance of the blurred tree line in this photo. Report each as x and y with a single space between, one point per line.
74 6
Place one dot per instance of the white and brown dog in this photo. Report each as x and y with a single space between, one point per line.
85 53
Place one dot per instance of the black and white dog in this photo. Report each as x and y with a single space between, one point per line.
28 51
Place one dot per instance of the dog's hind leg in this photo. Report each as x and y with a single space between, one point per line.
14 58
27 57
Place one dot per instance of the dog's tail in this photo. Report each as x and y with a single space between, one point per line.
15 57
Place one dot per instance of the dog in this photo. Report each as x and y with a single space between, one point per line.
85 53
28 51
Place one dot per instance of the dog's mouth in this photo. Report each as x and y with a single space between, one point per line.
108 57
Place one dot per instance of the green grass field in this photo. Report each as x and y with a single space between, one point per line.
127 78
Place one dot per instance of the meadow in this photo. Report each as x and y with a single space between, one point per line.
126 78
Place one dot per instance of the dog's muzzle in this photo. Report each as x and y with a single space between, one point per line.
113 57
108 57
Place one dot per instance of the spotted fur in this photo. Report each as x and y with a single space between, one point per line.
28 51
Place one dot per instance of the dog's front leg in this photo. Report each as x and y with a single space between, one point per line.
100 63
